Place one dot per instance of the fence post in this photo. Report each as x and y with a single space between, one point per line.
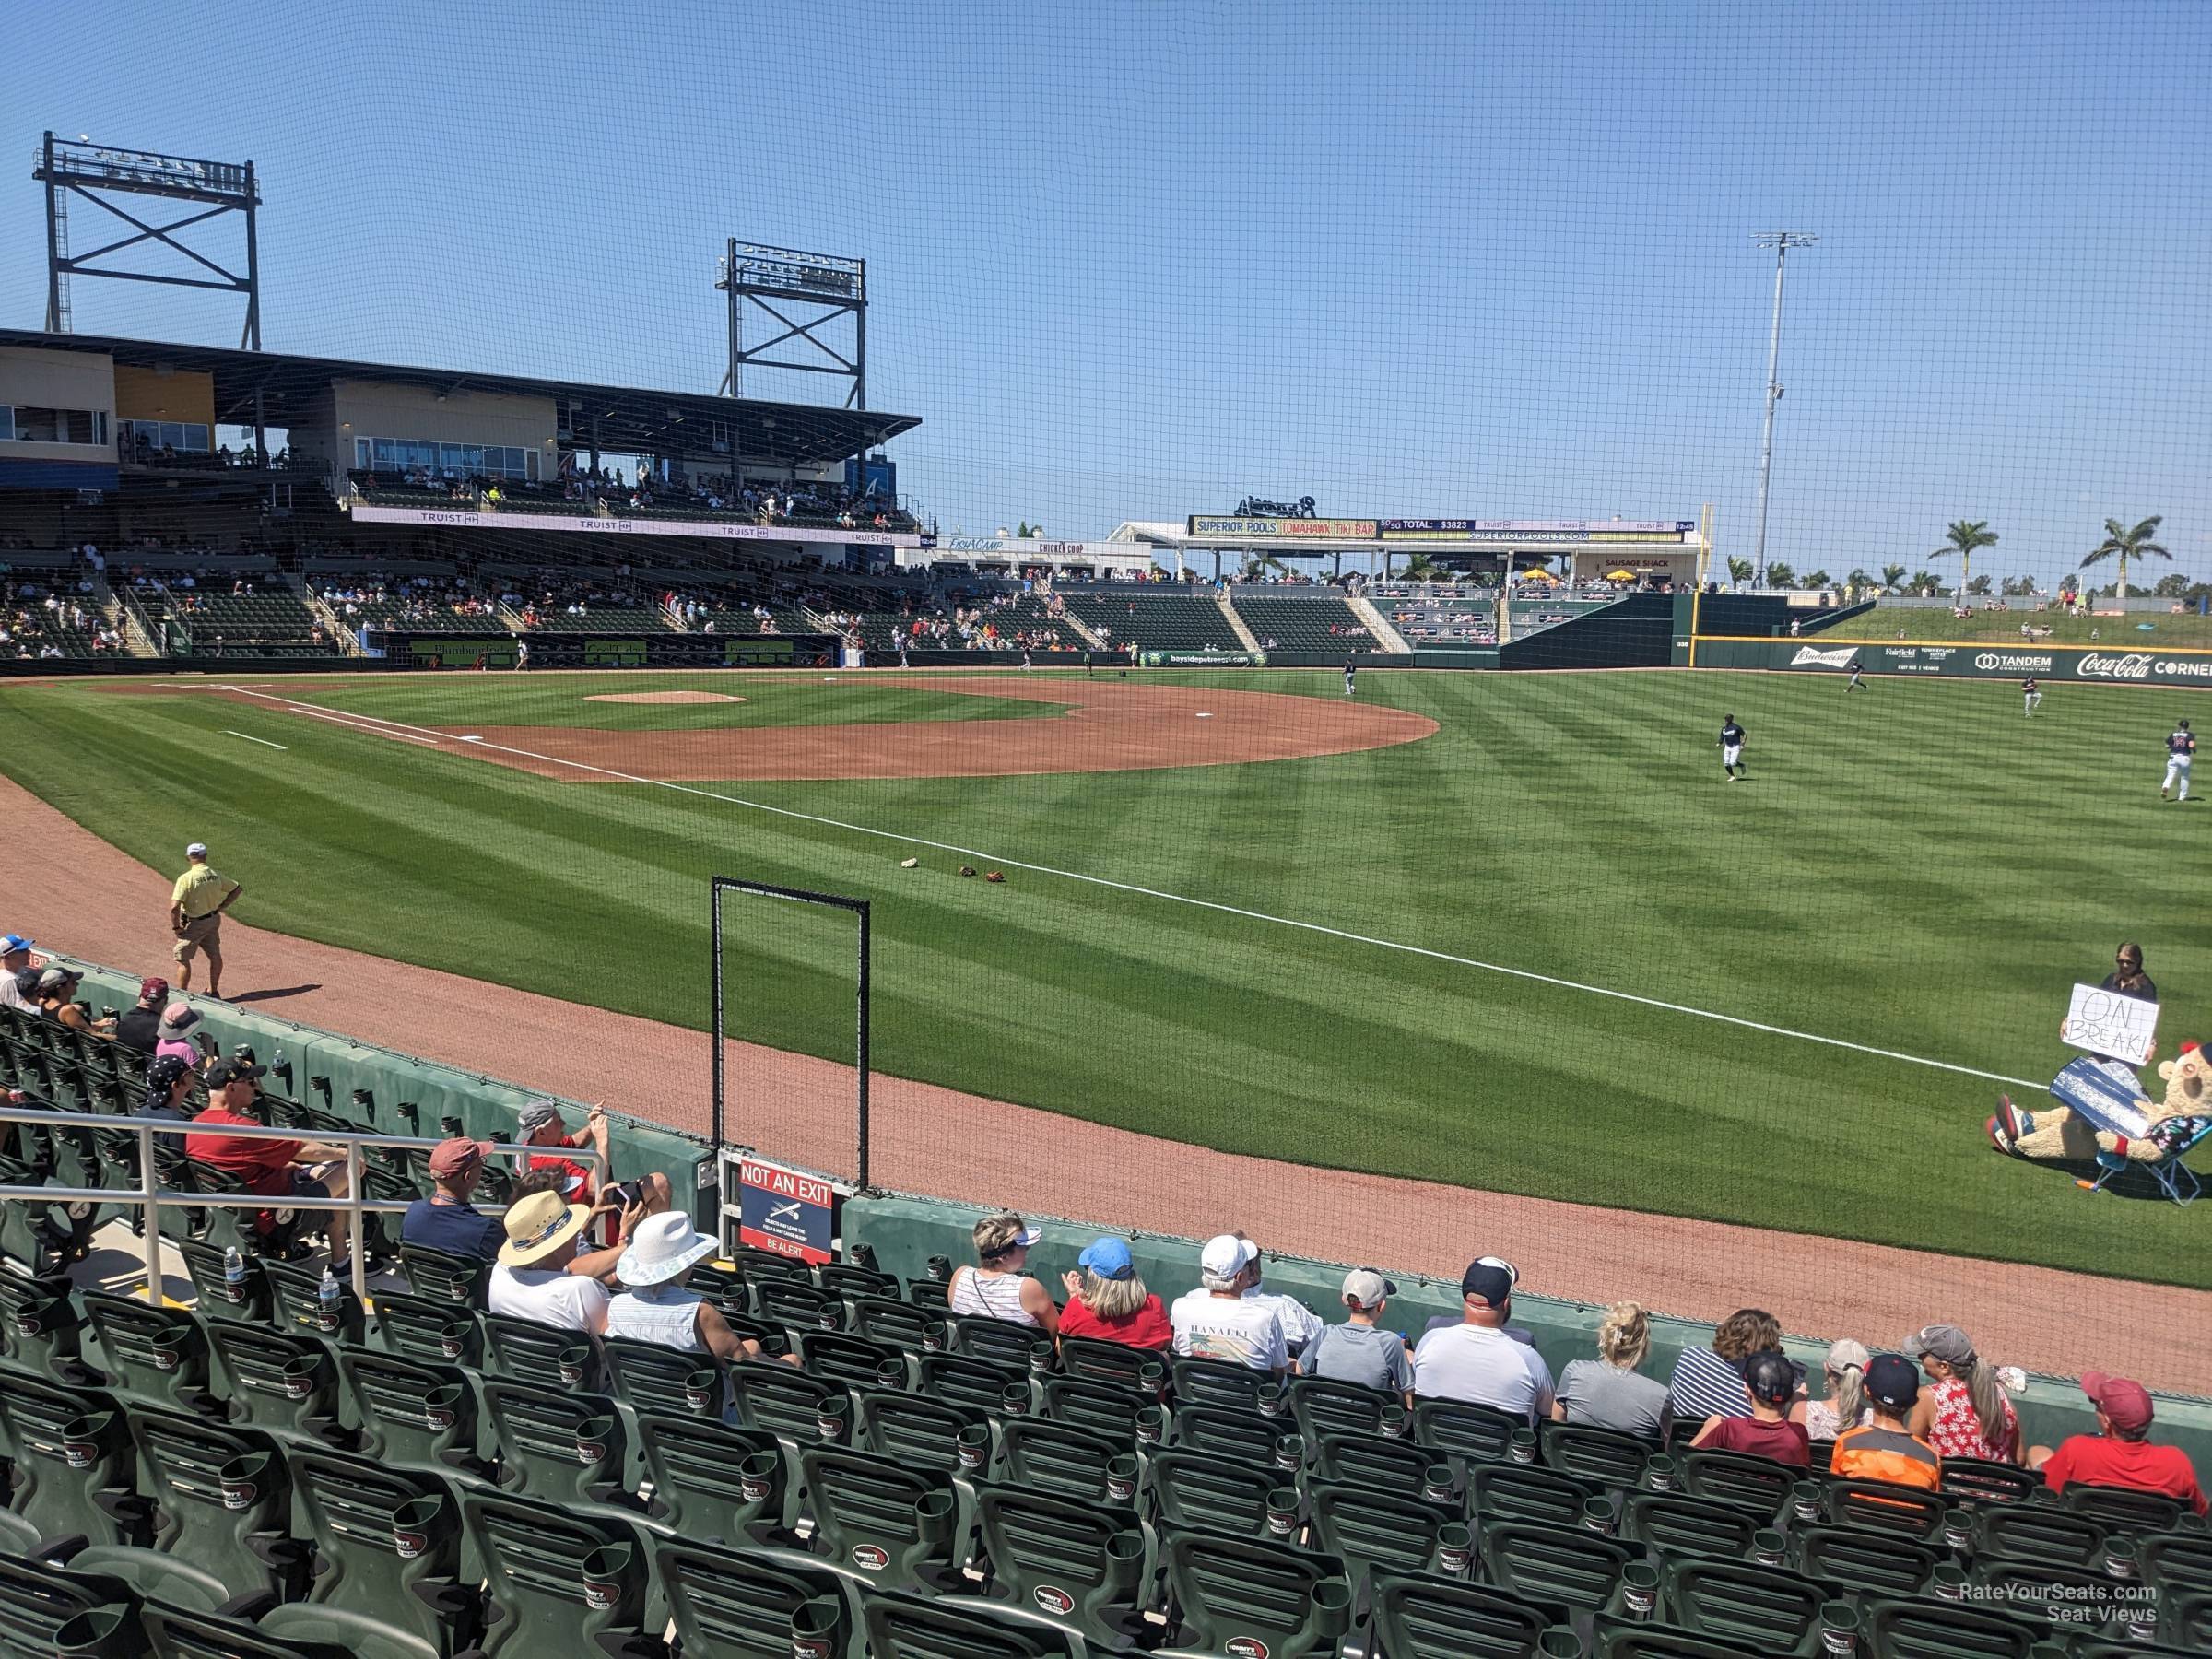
148 1184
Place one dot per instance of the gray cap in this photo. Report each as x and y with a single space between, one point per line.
1365 1286
536 1115
1944 1342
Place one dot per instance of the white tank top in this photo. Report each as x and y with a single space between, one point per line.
657 1313
990 1296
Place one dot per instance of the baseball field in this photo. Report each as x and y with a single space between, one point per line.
1512 932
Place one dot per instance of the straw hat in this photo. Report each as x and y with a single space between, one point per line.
538 1226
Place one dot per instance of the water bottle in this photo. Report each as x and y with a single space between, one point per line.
234 1275
326 1300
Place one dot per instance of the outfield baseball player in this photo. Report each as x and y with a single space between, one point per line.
2181 750
1732 747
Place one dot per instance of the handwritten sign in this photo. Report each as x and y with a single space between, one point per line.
2104 1022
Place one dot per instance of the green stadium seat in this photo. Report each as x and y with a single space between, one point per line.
45 1328
1626 1639
172 1634
221 1515
887 1319
847 1359
1001 1342
559 1582
715 1482
2124 1510
880 1520
521 1351
438 1276
652 1376
1116 1363
1381 1461
1420 1616
1900 1627
1551 1565
558 1446
2179 1565
1977 1480
1757 1484
1245 1435
1862 1559
1108 1409
387 1561
151 1353
1319 1406
960 1380
1078 1565
2045 1594
2038 1531
1768 1610
71 1459
437 1332
1676 1525
1523 1492
847 1281
1192 1491
754 1266
1371 1531
1217 1385
1888 1507
739 1604
37 1597
213 1291
1601 1457
1464 1432
1289 1604
784 1401
795 1304
1068 1462
412 1415
276 1381
895 1626
918 1430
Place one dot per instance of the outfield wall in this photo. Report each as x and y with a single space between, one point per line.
1966 659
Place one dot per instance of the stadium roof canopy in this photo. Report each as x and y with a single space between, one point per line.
631 419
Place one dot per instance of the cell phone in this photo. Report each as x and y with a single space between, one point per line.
627 1193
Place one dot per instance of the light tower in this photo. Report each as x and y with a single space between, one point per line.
1781 242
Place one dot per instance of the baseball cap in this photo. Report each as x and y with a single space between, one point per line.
1944 1342
11 942
162 1074
1490 1279
1845 1352
1770 1376
56 976
538 1114
197 850
1108 1257
2125 1402
151 987
232 1071
1365 1286
1226 1256
451 1156
1893 1380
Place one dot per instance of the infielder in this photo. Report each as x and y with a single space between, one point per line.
2181 750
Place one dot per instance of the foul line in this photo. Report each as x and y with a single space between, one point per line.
434 736
250 738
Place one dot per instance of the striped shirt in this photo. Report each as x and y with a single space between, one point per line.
1705 1385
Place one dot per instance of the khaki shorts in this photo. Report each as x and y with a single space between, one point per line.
202 933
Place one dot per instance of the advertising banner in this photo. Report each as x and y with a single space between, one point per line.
1535 531
1202 659
1966 660
579 523
1282 529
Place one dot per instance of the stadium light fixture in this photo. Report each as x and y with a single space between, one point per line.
1781 242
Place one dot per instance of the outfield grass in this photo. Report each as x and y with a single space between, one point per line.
1915 868
2137 630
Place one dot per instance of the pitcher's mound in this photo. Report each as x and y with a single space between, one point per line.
662 697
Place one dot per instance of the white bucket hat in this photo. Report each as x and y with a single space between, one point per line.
664 1246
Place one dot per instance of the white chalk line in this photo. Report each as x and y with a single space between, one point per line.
1526 974
250 738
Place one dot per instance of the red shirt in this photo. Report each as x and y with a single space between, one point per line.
1785 1443
2095 1460
1145 1328
264 1163
575 1179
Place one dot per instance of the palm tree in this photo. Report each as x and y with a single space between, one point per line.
1258 564
1926 583
1780 575
1893 576
1818 581
1964 536
1028 531
1858 582
2124 543
1422 568
1740 571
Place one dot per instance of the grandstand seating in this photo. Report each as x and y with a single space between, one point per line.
1301 623
258 624
422 1479
1170 619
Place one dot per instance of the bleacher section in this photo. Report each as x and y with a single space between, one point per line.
1173 619
1312 620
251 1471
266 624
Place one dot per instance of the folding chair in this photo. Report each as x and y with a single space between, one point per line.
2174 1178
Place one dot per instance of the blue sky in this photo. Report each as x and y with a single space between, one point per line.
1135 261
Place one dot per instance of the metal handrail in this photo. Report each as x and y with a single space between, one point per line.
152 1197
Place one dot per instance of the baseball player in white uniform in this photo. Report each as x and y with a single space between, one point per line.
2181 750
1732 747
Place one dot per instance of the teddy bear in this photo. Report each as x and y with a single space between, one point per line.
2059 1134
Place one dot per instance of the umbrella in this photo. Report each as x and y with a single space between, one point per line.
1620 575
